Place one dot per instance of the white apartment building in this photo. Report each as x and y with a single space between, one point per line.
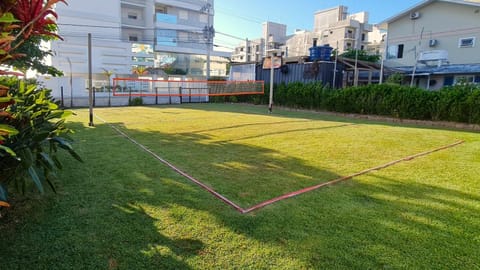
341 30
125 34
376 41
255 50
333 27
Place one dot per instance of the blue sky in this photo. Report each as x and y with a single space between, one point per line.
243 18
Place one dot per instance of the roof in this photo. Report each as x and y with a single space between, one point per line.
442 70
475 3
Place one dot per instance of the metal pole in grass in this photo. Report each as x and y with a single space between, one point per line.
90 94
272 52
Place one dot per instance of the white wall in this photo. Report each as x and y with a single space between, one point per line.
445 22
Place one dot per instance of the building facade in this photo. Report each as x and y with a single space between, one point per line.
430 49
341 30
127 35
333 27
255 50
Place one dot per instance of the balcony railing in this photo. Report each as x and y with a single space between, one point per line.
133 22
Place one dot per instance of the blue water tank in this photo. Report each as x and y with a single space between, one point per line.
320 53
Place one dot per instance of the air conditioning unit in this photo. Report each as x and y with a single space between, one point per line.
414 15
432 42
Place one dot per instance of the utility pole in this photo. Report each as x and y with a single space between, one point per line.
208 33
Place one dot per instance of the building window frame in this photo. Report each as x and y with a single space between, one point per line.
468 42
395 51
132 15
132 38
466 79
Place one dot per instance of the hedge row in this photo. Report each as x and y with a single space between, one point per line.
459 103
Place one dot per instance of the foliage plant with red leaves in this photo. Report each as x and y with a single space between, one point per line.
37 17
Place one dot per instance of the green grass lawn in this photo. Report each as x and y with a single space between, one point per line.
123 209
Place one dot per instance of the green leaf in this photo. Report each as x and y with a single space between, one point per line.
47 161
8 18
52 106
54 114
8 150
5 99
30 89
34 176
9 129
67 146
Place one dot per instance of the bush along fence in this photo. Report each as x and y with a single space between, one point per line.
460 103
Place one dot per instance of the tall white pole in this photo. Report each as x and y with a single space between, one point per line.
71 82
334 85
270 99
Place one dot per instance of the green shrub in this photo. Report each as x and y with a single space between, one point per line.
460 103
136 101
41 131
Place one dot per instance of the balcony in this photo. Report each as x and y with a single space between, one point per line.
133 23
182 4
133 3
350 36
346 23
368 27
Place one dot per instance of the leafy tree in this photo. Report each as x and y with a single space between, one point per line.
395 78
31 56
361 55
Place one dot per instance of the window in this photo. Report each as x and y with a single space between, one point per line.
132 15
395 51
466 42
466 79
400 51
363 36
132 38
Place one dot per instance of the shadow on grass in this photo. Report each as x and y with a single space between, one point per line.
125 210
246 174
388 224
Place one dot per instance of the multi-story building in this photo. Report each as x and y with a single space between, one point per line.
255 50
333 27
341 30
249 51
125 34
376 41
434 43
